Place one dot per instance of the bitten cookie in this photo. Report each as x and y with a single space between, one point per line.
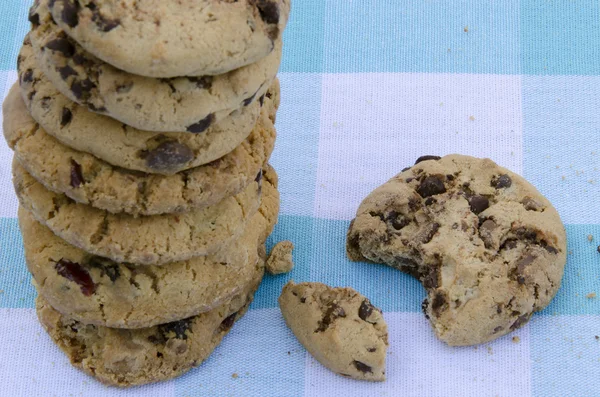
157 240
489 249
88 180
339 327
182 38
190 104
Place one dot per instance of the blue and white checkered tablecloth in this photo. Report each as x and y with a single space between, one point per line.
367 87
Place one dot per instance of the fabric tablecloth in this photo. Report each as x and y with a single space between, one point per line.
367 87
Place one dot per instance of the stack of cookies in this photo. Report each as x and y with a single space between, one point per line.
146 197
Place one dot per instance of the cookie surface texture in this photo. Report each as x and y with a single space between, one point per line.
487 246
339 327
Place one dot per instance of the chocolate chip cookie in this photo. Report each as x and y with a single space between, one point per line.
339 327
184 38
122 357
88 180
489 249
95 290
124 146
146 240
177 104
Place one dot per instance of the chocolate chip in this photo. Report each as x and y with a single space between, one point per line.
365 310
27 77
501 182
167 155
269 11
431 186
405 169
76 174
81 89
428 232
429 201
424 306
509 244
261 100
523 262
79 59
33 16
426 158
526 234
61 45
66 117
450 177
69 13
227 323
66 72
362 367
499 309
479 204
439 303
371 349
78 274
106 266
204 82
398 221
522 320
259 177
377 215
202 125
178 328
548 248
104 24
303 300
45 102
498 329
432 279
331 314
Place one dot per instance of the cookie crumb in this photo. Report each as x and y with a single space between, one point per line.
590 238
490 350
599 249
235 375
466 29
597 337
516 339
2 291
591 295
472 118
280 260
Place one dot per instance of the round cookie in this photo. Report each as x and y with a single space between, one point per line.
123 357
127 147
146 240
184 38
88 180
124 146
339 327
489 249
98 291
177 104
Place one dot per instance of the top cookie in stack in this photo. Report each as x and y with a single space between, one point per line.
142 132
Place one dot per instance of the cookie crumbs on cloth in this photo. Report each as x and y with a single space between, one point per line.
591 295
590 238
339 327
280 260
516 339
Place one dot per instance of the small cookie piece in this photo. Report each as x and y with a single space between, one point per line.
149 240
189 104
124 146
339 327
88 180
280 259
176 38
123 357
489 249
